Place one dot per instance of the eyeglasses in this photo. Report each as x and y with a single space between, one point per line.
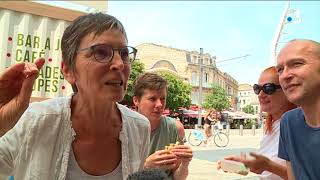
104 53
268 88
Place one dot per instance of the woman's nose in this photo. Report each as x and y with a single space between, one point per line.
117 62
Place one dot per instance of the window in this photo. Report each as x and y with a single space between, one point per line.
188 57
205 80
194 78
206 61
206 77
194 59
194 97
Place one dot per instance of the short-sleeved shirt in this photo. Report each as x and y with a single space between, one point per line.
165 134
300 144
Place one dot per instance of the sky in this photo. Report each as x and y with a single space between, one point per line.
223 29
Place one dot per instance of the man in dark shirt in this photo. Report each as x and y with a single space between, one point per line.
298 65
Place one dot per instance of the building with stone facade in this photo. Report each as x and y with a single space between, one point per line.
185 64
246 96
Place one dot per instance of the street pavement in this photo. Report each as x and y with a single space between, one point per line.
204 163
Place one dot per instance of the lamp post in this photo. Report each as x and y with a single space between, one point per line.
200 61
200 87
289 15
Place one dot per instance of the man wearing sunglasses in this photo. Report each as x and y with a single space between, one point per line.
298 66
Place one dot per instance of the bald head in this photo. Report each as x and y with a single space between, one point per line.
298 67
306 46
305 40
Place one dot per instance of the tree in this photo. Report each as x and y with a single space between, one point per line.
179 92
137 68
217 99
248 109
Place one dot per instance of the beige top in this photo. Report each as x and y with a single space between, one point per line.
38 147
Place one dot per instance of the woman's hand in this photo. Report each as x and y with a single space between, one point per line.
161 159
16 84
233 158
257 165
183 152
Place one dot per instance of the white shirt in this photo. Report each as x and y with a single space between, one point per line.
38 146
269 147
76 173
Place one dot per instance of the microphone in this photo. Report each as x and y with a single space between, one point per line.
148 174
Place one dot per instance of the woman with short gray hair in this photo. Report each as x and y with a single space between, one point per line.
86 135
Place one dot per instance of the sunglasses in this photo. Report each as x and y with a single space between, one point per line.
104 53
268 88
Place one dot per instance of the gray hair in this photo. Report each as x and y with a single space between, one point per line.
96 23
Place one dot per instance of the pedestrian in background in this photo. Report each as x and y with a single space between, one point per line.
208 120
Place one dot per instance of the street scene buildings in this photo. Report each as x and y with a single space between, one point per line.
185 64
33 26
247 97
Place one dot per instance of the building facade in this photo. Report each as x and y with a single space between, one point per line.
246 96
186 64
34 29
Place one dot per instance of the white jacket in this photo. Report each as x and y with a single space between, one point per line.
38 147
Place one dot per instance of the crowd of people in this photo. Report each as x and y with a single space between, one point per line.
89 135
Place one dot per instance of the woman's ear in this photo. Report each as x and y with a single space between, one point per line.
68 73
136 101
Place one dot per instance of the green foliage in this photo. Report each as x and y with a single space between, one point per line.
137 68
248 109
217 99
179 92
248 123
